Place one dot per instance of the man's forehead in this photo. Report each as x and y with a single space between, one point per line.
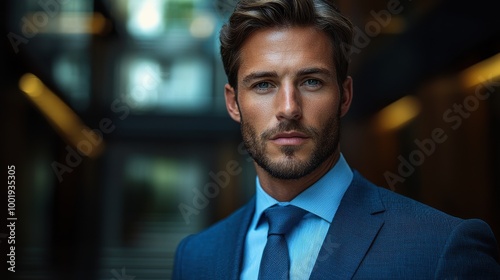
294 49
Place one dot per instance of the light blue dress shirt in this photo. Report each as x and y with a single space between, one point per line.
322 200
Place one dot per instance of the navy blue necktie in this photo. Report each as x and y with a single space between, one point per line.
275 263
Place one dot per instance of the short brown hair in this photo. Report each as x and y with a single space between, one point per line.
252 15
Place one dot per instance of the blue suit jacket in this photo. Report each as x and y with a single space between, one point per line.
375 234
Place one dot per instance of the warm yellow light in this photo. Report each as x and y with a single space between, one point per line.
395 26
60 116
481 72
31 85
398 113
99 24
75 23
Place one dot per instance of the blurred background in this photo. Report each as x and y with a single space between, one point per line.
112 112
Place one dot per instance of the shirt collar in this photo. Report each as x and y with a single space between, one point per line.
321 199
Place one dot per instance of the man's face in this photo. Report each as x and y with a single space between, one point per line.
288 100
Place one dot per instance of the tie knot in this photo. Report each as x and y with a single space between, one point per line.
282 219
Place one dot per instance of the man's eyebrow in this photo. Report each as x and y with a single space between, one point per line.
314 70
257 75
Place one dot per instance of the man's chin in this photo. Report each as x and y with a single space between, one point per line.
286 168
287 157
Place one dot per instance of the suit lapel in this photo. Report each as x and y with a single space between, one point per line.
232 252
353 229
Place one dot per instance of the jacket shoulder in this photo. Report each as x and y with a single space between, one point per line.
427 241
403 208
212 252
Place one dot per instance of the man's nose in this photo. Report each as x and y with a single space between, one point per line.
289 102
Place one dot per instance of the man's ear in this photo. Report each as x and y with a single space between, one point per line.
345 102
232 102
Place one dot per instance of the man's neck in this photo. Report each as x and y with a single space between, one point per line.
286 190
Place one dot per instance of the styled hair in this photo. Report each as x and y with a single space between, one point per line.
253 15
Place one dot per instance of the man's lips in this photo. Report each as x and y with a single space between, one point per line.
289 138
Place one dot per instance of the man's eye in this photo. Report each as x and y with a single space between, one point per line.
263 85
312 83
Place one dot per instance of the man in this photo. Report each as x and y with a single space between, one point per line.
312 216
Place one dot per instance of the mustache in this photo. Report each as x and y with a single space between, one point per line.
289 125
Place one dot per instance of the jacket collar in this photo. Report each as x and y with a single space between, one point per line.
354 227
